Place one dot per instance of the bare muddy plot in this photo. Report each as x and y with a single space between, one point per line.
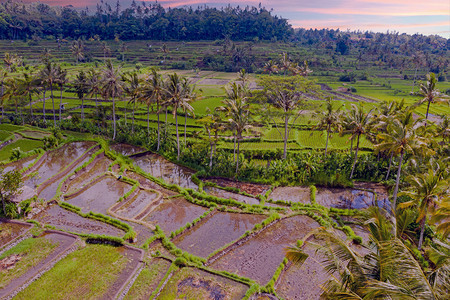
132 207
126 149
251 188
11 230
148 184
260 256
100 195
217 231
292 194
50 187
30 257
303 282
20 164
229 195
66 220
35 134
345 198
96 168
174 213
160 167
148 279
193 284
56 161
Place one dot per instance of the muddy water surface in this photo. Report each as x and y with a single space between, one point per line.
96 168
126 149
229 195
101 195
292 194
251 188
217 231
260 256
63 219
136 204
148 184
174 213
9 231
348 198
160 167
57 160
20 164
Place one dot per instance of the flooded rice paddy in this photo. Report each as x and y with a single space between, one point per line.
256 257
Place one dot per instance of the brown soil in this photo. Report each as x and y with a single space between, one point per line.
132 207
20 164
229 195
126 149
101 195
10 231
260 256
250 188
63 219
9 262
212 81
217 231
148 184
174 213
160 167
292 194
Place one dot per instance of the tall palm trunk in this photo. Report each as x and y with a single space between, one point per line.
356 157
351 147
159 128
211 150
165 127
53 102
237 158
234 149
185 126
397 182
31 108
60 103
82 108
43 108
428 109
114 117
178 137
422 229
326 145
286 119
148 119
132 115
389 168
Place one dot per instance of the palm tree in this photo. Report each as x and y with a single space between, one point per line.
9 60
443 128
329 119
94 84
112 87
106 50
61 81
359 124
133 90
165 50
123 49
152 91
81 88
77 49
426 191
213 124
46 55
387 271
236 108
177 89
10 95
430 93
28 87
49 77
270 67
285 64
400 138
417 60
190 96
3 76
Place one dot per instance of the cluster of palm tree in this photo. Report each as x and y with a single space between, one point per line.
285 65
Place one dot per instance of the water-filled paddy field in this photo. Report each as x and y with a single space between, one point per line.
180 243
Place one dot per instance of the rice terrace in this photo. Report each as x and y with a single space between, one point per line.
149 152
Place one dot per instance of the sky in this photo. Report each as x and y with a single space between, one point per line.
409 16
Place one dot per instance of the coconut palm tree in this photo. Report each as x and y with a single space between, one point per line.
94 84
112 87
401 137
177 90
387 271
27 87
426 190
285 64
152 91
62 80
123 49
430 93
81 87
237 110
3 76
190 96
11 94
132 88
270 67
49 77
106 50
329 119
359 123
77 49
213 125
